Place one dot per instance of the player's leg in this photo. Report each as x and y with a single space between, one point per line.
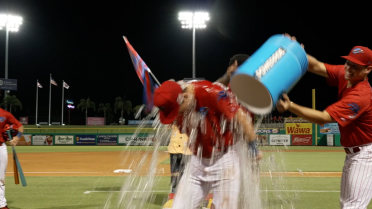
226 190
3 165
356 182
175 160
175 167
191 190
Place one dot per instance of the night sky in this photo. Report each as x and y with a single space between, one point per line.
81 43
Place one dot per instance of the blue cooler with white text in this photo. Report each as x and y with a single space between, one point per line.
273 69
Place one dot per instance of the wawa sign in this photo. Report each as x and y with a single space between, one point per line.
298 128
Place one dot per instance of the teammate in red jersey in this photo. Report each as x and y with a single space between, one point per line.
215 123
353 113
235 61
7 121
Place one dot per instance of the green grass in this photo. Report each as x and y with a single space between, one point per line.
276 192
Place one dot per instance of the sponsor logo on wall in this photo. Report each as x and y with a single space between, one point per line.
267 130
136 140
329 128
280 139
64 139
85 139
302 140
42 140
107 139
298 128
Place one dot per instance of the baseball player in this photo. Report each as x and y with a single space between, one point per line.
353 113
7 120
179 153
235 61
214 122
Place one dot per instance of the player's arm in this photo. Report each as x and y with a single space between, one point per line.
17 137
225 79
246 122
316 66
16 125
315 116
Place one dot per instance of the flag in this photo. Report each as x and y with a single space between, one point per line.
143 73
148 92
39 85
65 85
53 82
139 65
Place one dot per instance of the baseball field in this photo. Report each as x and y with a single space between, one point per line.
91 177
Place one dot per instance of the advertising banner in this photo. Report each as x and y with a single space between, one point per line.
8 84
330 140
280 139
25 140
95 121
298 128
42 140
64 139
267 131
329 128
139 140
302 140
140 122
107 139
262 140
85 139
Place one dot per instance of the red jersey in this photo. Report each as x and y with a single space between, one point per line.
353 110
7 118
214 103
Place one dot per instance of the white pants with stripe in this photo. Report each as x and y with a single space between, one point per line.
3 165
356 182
220 177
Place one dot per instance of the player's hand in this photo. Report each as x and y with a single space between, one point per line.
14 141
283 104
232 68
293 38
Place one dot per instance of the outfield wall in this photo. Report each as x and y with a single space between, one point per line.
293 134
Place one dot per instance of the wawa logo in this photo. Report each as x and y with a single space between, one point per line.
298 128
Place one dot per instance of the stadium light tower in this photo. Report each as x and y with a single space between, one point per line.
10 23
193 20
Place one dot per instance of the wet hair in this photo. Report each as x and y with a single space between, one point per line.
238 57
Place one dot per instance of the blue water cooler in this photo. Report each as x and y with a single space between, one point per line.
273 69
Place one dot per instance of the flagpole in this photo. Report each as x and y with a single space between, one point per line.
63 91
37 99
50 94
154 77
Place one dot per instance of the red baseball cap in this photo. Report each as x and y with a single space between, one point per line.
360 55
165 98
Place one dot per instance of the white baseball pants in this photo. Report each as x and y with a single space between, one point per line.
201 176
356 182
3 165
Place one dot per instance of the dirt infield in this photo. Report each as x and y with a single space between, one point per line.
83 163
105 163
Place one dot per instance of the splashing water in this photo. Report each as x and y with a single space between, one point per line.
137 189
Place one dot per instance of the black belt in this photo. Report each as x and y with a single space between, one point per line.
352 150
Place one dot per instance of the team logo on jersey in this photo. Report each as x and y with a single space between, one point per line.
2 119
203 110
358 51
354 108
222 95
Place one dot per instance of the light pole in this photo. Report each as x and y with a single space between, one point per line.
193 20
10 23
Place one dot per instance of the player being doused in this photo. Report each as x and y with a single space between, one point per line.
215 124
